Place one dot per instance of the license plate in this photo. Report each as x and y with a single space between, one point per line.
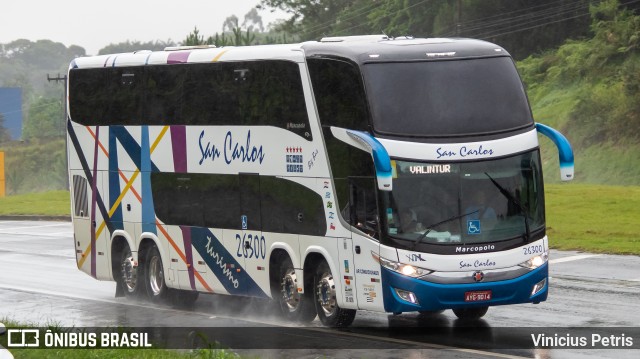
477 296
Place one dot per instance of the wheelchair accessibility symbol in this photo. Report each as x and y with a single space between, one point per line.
244 222
473 226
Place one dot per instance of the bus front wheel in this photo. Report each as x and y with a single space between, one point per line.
470 313
330 314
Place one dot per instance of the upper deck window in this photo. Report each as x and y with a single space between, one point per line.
339 93
446 98
243 93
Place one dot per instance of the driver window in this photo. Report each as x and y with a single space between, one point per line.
362 211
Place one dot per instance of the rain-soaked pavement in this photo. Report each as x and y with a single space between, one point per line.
40 284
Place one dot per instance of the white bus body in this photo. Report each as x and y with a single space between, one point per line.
282 171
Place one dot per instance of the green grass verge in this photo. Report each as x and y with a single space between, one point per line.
593 218
54 203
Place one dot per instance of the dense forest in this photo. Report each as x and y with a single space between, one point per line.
590 89
580 60
545 23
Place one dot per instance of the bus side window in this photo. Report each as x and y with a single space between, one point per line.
111 96
289 207
194 199
363 208
163 94
339 92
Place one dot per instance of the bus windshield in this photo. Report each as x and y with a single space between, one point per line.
465 203
446 98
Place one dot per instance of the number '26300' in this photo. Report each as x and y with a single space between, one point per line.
256 248
533 250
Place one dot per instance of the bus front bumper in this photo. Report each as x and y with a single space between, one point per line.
528 288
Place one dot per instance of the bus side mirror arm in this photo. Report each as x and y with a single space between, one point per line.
564 150
368 143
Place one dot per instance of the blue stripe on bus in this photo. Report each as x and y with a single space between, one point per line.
224 265
148 213
131 146
114 181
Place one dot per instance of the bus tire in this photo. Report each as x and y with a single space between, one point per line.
470 313
156 286
324 293
130 274
294 305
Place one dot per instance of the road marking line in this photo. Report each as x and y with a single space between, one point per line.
319 329
38 235
573 258
30 227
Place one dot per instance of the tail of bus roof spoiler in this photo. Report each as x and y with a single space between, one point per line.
564 150
368 143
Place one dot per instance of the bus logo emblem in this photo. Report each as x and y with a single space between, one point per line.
478 276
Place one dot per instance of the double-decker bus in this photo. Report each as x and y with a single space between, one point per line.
356 173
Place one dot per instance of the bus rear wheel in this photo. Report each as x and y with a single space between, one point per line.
293 304
330 314
470 313
129 278
157 290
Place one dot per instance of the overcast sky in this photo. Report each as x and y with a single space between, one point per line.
93 24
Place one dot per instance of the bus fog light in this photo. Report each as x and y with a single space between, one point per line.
407 296
539 286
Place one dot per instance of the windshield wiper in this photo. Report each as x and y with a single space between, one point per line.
513 200
431 227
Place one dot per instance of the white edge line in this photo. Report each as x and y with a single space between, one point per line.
32 227
573 258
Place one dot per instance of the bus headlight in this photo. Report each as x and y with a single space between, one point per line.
535 262
402 268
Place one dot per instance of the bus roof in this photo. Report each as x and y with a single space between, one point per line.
363 49
360 49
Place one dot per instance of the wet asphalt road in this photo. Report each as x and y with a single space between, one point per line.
39 284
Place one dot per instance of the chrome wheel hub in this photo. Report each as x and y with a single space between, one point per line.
129 273
289 290
326 294
156 276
